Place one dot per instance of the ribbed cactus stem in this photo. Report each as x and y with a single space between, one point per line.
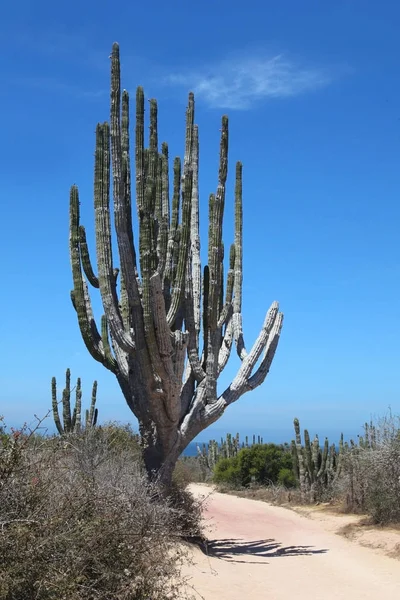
56 415
295 460
323 467
77 416
300 457
66 402
91 416
72 423
153 321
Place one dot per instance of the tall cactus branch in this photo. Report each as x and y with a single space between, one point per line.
169 324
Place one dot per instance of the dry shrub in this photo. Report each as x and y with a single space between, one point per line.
369 481
273 493
382 495
79 521
193 469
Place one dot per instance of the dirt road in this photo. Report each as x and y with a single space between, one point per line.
264 552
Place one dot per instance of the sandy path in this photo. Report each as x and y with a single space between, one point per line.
264 552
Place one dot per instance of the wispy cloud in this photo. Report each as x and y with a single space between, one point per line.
239 83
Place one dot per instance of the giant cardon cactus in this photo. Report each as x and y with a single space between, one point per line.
168 327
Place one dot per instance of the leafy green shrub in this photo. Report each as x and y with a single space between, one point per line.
287 478
260 463
227 471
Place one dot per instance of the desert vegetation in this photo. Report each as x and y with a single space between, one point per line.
80 520
361 476
99 511
95 511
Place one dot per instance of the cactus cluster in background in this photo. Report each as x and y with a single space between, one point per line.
370 438
229 447
72 422
315 466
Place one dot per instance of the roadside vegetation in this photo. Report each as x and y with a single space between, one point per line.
79 519
360 476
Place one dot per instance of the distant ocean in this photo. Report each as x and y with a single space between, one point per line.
191 449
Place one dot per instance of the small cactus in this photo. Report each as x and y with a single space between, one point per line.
72 423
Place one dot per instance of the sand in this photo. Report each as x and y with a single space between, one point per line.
259 551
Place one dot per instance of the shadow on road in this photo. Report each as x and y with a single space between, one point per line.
231 549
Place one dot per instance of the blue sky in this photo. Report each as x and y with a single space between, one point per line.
313 95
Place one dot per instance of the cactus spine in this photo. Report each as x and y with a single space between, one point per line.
160 303
72 423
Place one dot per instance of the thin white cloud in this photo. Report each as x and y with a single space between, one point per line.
238 84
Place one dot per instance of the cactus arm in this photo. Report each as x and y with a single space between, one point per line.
122 206
182 256
270 348
130 304
195 233
78 407
139 151
91 413
226 310
215 258
56 415
193 351
225 318
323 468
109 360
193 269
300 457
158 219
237 303
295 460
162 242
267 341
308 454
85 257
66 396
173 231
80 295
103 239
184 242
147 250
226 346
126 173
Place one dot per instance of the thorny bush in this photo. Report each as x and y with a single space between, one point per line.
79 521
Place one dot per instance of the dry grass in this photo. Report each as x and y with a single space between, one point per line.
273 494
79 521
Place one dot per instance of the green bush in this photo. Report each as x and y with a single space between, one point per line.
261 463
286 478
227 471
